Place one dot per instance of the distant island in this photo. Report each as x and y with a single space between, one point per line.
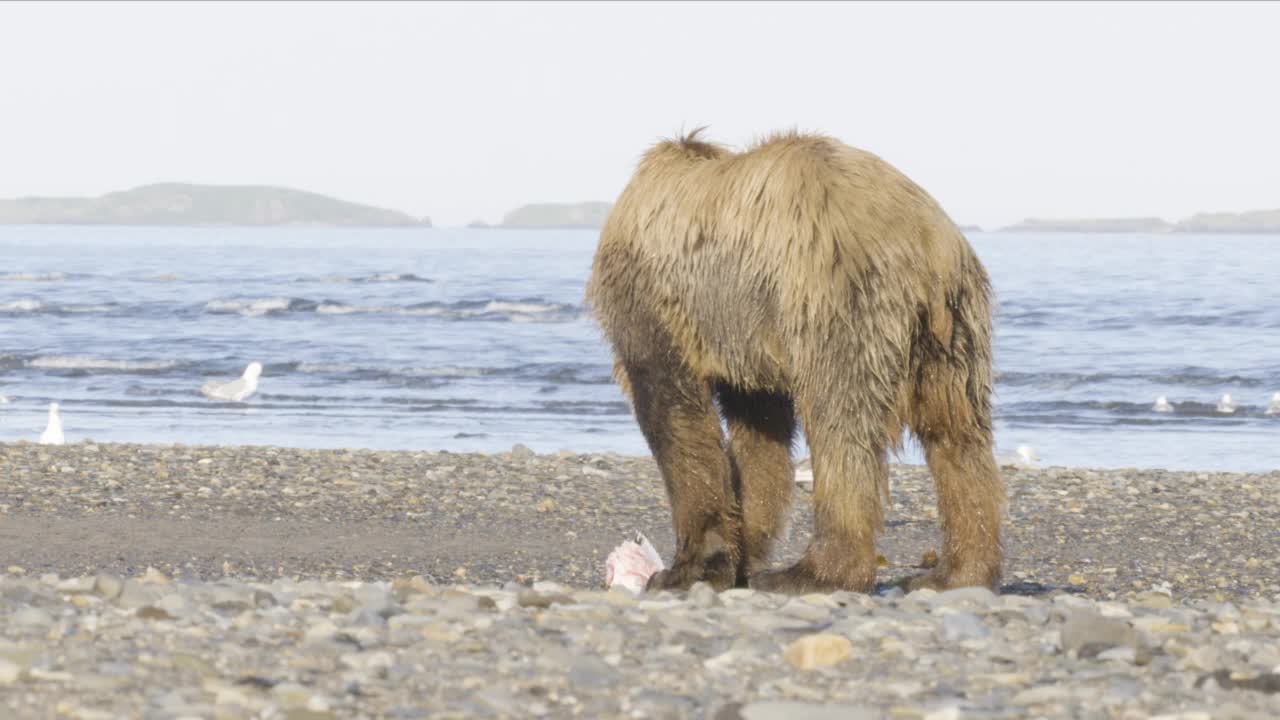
189 204
1087 225
558 215
1257 221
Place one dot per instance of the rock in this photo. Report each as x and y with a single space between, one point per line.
784 710
1122 654
590 672
1087 633
702 596
1267 683
959 626
154 577
107 587
9 672
1205 658
1153 600
1042 695
174 604
31 617
76 585
533 599
521 452
976 597
151 612
134 594
820 650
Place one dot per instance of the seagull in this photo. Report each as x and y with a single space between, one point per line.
1162 405
1226 405
1273 408
1024 457
1028 455
52 434
237 390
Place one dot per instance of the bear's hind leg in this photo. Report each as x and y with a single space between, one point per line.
954 429
676 413
849 471
761 427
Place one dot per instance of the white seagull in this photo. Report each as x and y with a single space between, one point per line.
1028 455
1226 405
52 434
237 390
1273 408
1024 457
1162 405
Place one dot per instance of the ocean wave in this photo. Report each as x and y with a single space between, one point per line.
498 309
374 278
22 306
32 277
1186 377
255 307
44 308
69 362
558 373
528 310
1093 410
325 368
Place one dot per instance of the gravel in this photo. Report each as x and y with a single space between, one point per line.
172 581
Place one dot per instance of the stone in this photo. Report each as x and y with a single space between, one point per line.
534 599
154 577
976 597
9 672
1087 633
1042 695
790 710
702 596
76 585
134 594
521 452
959 626
819 650
31 617
1122 654
587 671
174 604
107 587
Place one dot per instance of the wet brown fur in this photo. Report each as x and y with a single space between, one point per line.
800 280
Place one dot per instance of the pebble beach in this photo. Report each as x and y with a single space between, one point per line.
150 581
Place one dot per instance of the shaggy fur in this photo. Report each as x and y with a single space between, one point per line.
807 278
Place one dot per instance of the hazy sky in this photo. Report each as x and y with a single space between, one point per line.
1001 111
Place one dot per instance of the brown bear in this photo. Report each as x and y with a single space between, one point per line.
800 280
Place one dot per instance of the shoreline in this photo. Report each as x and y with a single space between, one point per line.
518 516
226 582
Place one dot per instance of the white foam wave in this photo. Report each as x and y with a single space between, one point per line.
67 362
443 371
33 277
249 307
337 309
85 308
325 368
501 306
21 306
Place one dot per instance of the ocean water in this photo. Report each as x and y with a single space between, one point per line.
473 340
